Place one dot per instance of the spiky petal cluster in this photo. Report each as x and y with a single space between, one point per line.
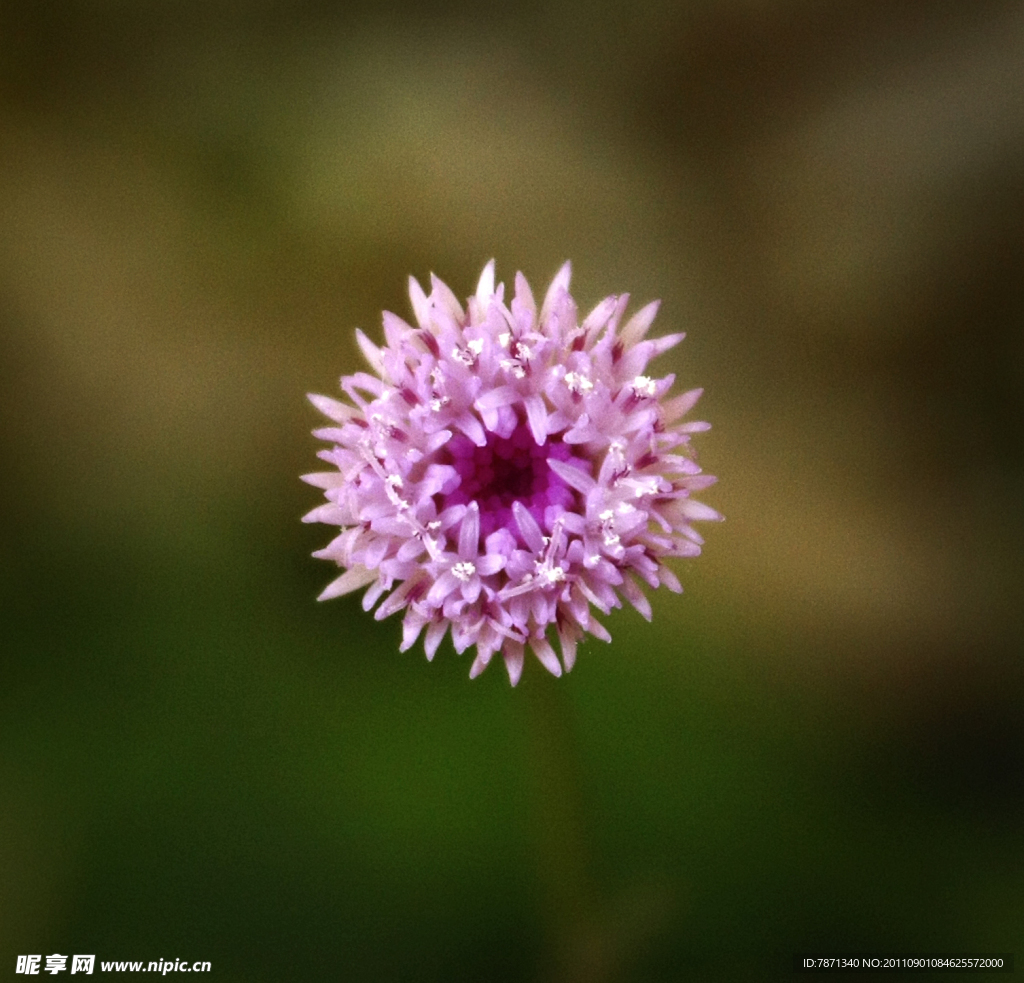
505 470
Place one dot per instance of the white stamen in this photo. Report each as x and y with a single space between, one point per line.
431 542
618 461
546 572
463 570
514 367
647 485
644 387
611 537
554 575
381 425
504 338
391 482
467 358
475 345
578 383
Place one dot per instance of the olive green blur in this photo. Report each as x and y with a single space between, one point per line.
819 746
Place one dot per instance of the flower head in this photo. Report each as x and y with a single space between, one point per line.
504 471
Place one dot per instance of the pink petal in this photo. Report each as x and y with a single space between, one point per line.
669 579
546 654
699 512
435 633
349 581
371 352
411 628
637 326
559 285
598 317
329 513
598 630
574 477
485 286
442 296
636 597
537 414
420 304
469 534
480 663
324 479
471 427
493 398
333 434
396 331
332 408
490 564
532 534
524 297
443 586
513 653
568 643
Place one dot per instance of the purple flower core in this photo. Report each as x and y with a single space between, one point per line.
508 470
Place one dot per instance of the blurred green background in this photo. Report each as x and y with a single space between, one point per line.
819 746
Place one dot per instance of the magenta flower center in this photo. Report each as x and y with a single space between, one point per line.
507 470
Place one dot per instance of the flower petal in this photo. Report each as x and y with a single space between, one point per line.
598 317
568 642
435 633
488 565
480 663
485 286
442 587
574 477
337 411
532 534
469 533
371 352
513 653
546 654
420 304
559 286
493 398
537 414
349 581
637 326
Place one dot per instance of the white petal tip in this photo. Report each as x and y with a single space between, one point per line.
485 286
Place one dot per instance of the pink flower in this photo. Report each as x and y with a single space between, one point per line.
504 471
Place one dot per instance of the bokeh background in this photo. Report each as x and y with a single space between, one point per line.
819 746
